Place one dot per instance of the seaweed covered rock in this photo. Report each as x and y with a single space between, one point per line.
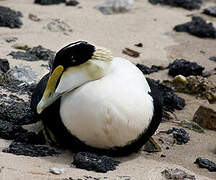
9 130
197 27
10 18
187 4
205 116
48 2
93 162
195 85
24 149
170 100
4 65
72 3
211 11
205 163
185 68
34 54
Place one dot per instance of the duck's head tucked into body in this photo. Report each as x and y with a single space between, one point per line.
92 101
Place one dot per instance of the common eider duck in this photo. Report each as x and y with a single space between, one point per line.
92 101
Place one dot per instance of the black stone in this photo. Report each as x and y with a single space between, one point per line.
72 3
139 45
10 18
205 163
48 2
197 27
181 136
145 69
18 148
187 4
185 68
23 55
4 65
93 162
34 54
213 58
30 138
211 11
170 100
206 74
9 130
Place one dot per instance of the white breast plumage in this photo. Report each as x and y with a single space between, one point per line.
111 111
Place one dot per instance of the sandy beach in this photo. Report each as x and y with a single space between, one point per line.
151 25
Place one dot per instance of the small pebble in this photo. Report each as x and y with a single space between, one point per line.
57 171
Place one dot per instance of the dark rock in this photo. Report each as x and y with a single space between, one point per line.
210 11
18 148
181 136
93 162
30 138
170 100
139 45
4 65
34 54
206 73
177 174
23 55
185 68
187 4
9 130
72 3
145 69
42 53
48 2
213 58
197 27
130 52
10 18
205 116
15 110
205 163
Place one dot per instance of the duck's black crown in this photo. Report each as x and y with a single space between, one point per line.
73 54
